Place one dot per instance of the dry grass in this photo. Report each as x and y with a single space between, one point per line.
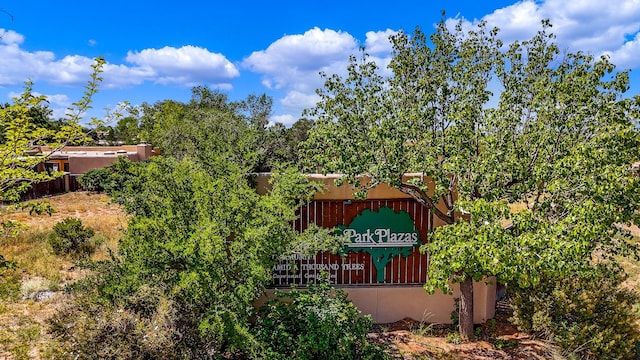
23 321
95 211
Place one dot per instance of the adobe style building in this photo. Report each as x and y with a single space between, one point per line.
381 269
77 160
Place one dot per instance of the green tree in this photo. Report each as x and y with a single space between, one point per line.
299 131
295 135
17 170
40 115
205 128
127 131
275 144
551 159
258 109
211 124
25 123
23 127
202 240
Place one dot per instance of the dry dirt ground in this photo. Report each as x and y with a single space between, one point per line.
498 339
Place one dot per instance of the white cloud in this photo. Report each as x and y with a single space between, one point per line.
296 100
72 69
92 42
18 65
377 42
518 21
293 62
59 100
13 94
10 37
594 26
58 103
187 65
286 119
627 55
315 48
120 76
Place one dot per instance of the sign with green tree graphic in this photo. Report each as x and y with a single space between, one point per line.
383 234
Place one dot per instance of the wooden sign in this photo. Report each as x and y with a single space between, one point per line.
383 243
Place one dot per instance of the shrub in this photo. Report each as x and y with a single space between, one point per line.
37 207
453 337
94 179
205 242
590 316
69 236
314 324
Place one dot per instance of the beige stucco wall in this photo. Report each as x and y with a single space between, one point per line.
333 192
387 304
143 151
345 192
82 164
84 158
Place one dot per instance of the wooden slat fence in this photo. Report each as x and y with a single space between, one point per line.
52 187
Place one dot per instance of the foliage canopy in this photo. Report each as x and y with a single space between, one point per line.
201 244
211 124
534 178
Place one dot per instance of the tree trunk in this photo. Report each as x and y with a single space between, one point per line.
466 309
423 198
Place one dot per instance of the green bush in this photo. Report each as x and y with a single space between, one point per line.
316 324
146 324
37 207
593 317
69 236
94 179
205 243
113 178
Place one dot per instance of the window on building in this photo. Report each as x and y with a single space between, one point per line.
51 167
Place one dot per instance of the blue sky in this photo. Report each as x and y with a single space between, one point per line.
157 51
